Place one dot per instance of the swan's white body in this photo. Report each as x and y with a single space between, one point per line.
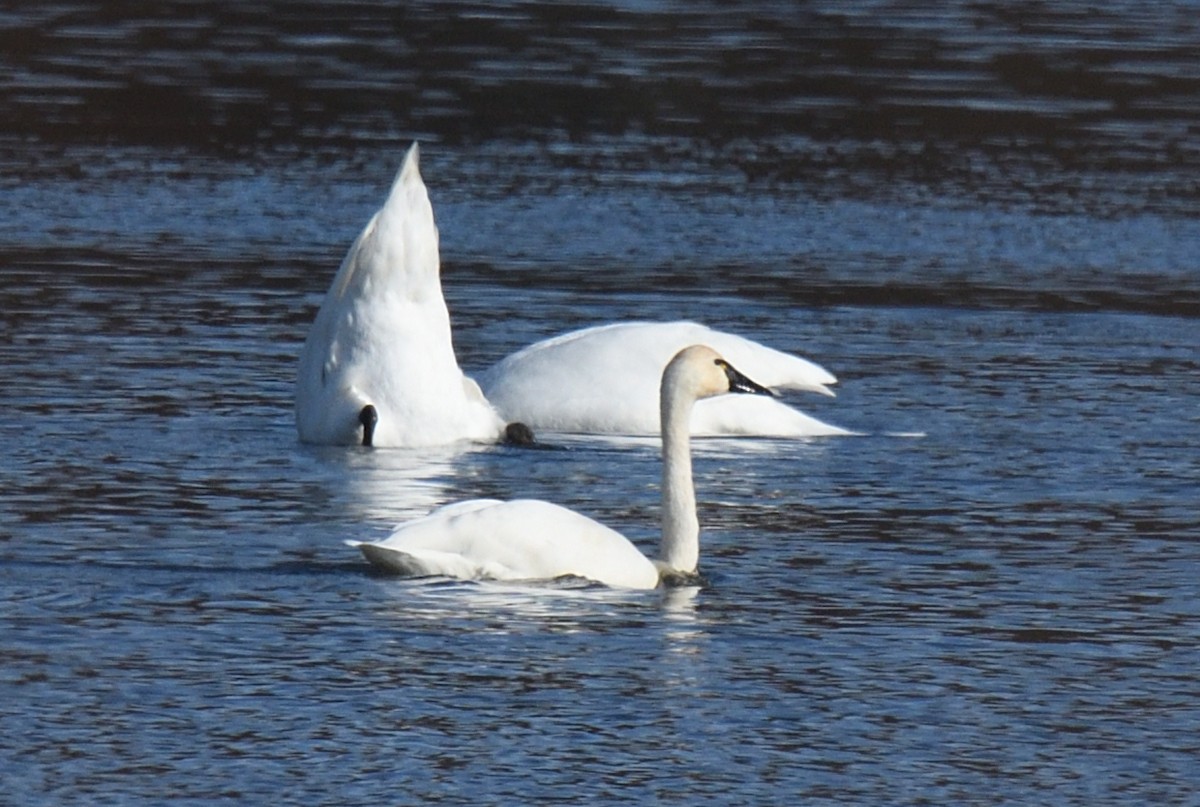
528 539
551 385
522 539
382 337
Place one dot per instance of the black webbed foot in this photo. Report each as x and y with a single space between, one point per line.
368 417
518 434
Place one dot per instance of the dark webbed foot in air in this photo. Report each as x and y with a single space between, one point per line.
368 417
518 434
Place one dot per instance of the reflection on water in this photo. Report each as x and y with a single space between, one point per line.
393 485
566 605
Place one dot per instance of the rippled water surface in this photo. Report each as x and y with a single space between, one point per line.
985 219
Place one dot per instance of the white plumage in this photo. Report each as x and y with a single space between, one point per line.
382 338
552 385
378 365
528 539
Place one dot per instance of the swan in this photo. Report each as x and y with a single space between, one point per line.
378 364
529 539
550 385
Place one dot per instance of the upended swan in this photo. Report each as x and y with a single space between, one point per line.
529 539
551 385
378 364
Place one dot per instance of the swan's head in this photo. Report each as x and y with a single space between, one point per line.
700 372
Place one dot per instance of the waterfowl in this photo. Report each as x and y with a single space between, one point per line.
378 365
551 385
529 539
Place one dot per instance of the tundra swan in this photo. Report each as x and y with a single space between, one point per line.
529 539
551 385
378 365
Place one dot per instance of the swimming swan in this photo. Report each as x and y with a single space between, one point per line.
528 539
550 385
378 364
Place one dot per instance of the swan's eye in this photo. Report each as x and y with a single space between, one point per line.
724 365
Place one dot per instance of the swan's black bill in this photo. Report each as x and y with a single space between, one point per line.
368 417
739 382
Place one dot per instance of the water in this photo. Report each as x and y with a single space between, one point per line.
982 219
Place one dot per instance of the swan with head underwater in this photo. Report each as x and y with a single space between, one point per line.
549 386
530 539
378 365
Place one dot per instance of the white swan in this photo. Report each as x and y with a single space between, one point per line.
378 364
528 539
551 385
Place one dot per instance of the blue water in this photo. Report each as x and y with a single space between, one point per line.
990 596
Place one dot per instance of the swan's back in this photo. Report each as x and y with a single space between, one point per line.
523 539
557 384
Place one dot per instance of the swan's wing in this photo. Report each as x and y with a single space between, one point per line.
525 539
415 557
597 380
448 511
756 415
653 344
565 383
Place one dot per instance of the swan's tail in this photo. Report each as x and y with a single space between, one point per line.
389 560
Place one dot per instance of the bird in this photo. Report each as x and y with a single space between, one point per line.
378 364
531 539
549 385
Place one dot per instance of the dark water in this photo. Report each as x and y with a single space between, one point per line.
985 219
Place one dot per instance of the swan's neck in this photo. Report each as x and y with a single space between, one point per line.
680 547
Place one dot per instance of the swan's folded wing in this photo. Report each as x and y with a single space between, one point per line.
594 381
757 416
605 379
524 539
